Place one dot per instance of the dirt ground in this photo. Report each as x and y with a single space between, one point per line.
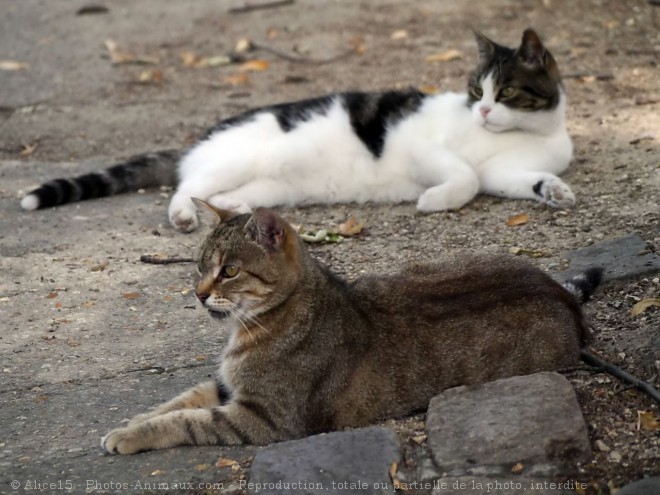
71 282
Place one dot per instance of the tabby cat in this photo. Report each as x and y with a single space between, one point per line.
506 137
309 352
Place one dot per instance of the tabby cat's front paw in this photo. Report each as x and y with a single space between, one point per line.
123 441
554 192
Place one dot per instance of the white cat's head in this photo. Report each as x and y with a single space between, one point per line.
516 89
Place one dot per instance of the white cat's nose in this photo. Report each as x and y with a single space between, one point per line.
484 110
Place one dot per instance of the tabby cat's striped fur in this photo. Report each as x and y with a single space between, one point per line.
310 352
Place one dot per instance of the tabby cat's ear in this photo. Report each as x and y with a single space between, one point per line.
266 228
531 51
486 47
210 213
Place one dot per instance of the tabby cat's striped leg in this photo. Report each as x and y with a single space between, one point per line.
237 423
204 396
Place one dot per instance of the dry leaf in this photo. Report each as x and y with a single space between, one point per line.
520 219
11 65
518 468
99 267
119 57
237 79
419 439
52 295
151 76
156 472
445 56
532 253
243 45
200 357
224 462
644 304
351 227
399 34
357 42
254 66
429 89
202 467
397 484
131 295
648 421
189 59
28 149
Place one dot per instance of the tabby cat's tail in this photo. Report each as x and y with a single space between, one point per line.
584 284
148 170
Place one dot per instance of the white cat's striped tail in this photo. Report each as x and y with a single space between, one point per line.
148 170
582 286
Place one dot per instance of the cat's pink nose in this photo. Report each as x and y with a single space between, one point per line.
484 111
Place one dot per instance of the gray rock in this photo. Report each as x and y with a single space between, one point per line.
487 429
626 257
467 485
647 486
356 461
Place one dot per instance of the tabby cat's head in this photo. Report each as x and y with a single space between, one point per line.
515 89
248 264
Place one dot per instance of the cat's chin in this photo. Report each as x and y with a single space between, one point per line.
218 314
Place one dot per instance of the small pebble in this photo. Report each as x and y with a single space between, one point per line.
602 446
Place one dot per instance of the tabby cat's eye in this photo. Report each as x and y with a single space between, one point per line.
229 271
478 92
507 91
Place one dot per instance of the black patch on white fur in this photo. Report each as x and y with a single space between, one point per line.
370 114
537 188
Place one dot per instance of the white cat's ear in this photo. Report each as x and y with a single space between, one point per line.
531 51
486 46
267 229
210 214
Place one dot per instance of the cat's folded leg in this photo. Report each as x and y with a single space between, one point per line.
234 424
182 211
457 181
527 184
228 202
203 396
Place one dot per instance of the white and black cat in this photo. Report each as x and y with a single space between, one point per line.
506 137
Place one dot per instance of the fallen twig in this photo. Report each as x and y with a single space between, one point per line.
249 7
301 60
159 260
582 75
597 362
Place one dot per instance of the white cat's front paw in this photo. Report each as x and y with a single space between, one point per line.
183 215
228 203
554 192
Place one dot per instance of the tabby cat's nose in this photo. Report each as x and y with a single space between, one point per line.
202 297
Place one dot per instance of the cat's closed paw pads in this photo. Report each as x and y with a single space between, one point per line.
555 193
228 203
184 220
121 441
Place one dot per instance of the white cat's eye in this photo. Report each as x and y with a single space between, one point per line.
478 92
507 91
229 271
